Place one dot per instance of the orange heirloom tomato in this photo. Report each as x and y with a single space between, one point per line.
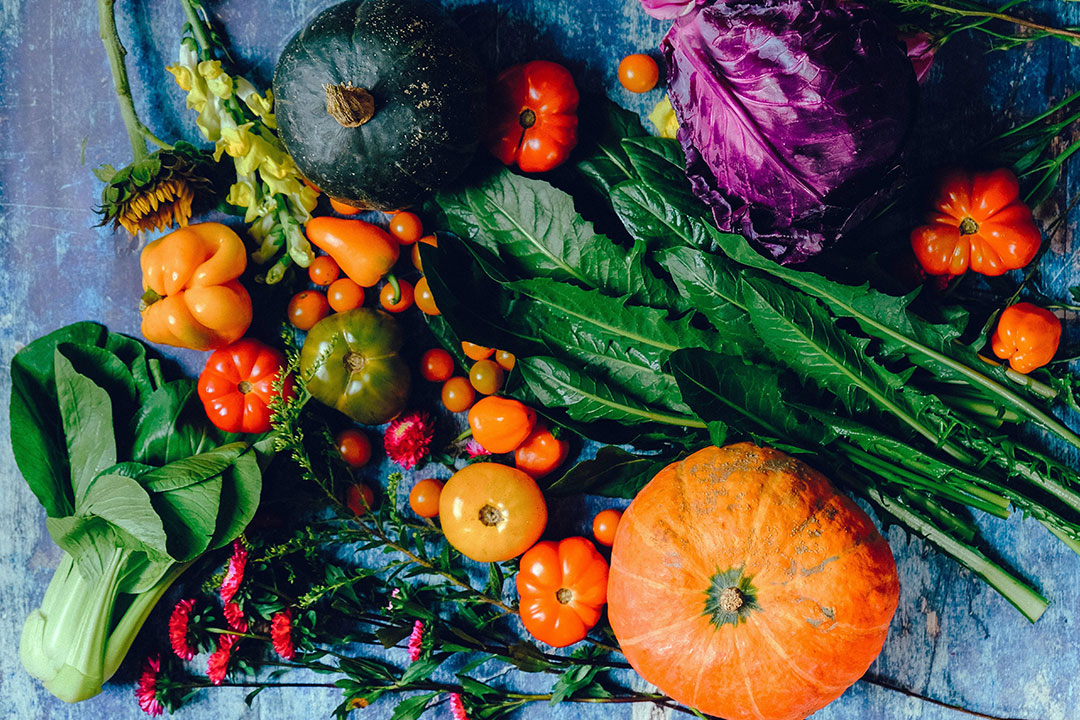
979 222
424 498
363 251
563 588
501 424
193 298
1027 336
236 386
541 452
534 116
492 512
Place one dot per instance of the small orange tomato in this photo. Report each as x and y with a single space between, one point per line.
404 296
343 294
342 209
307 308
492 512
501 424
505 359
323 270
638 73
436 365
406 227
604 525
457 394
1027 336
476 352
424 498
427 240
359 498
541 452
486 376
354 446
563 589
424 300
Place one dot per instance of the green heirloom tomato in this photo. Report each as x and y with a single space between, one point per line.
350 362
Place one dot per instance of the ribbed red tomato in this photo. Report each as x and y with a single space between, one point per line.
236 386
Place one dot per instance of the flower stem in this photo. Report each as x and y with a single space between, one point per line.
961 12
198 27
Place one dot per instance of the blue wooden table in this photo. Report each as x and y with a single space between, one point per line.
952 639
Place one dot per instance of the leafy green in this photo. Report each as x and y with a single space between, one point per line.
614 472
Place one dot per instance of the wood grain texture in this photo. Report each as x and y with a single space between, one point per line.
953 638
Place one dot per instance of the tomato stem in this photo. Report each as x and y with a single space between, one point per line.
392 281
968 226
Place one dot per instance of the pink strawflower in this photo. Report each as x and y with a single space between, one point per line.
281 634
178 629
234 614
408 439
394 595
235 574
474 449
457 708
416 640
146 688
218 665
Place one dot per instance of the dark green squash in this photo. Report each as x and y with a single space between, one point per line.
379 101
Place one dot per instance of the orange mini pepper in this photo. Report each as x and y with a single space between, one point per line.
1027 336
193 298
563 588
978 221
363 251
501 424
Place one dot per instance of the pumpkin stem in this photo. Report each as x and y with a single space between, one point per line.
350 106
730 599
968 226
490 516
244 387
354 361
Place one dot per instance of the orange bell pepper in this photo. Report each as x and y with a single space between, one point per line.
363 251
193 298
1027 336
501 424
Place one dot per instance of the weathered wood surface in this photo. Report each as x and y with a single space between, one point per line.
952 639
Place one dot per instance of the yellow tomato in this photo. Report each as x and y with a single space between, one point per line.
492 512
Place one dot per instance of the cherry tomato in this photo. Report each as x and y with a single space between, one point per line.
342 209
343 294
436 365
427 240
492 512
604 525
476 352
541 452
424 300
323 270
505 359
354 446
360 498
501 424
406 227
638 73
405 296
486 376
424 498
457 394
307 308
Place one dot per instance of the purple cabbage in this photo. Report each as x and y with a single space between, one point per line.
790 114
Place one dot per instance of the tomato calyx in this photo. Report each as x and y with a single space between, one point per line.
564 595
527 118
968 226
490 516
244 387
354 361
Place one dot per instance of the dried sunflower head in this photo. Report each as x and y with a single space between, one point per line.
156 192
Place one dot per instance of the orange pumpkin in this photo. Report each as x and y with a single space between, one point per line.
743 585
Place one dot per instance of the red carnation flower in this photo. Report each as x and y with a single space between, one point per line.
234 614
281 634
178 629
235 574
218 665
146 688
408 439
457 708
416 640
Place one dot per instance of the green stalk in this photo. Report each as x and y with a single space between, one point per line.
1065 33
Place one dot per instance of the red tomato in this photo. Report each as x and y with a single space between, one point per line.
343 294
359 498
354 446
436 365
541 452
323 270
406 227
534 116
563 589
404 294
236 386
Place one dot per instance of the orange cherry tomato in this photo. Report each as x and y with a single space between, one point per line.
343 294
486 376
457 394
342 209
363 251
354 446
563 589
604 525
476 352
505 359
501 424
307 308
436 365
424 498
1027 336
405 296
406 227
427 240
638 73
359 498
541 452
424 300
492 512
323 270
